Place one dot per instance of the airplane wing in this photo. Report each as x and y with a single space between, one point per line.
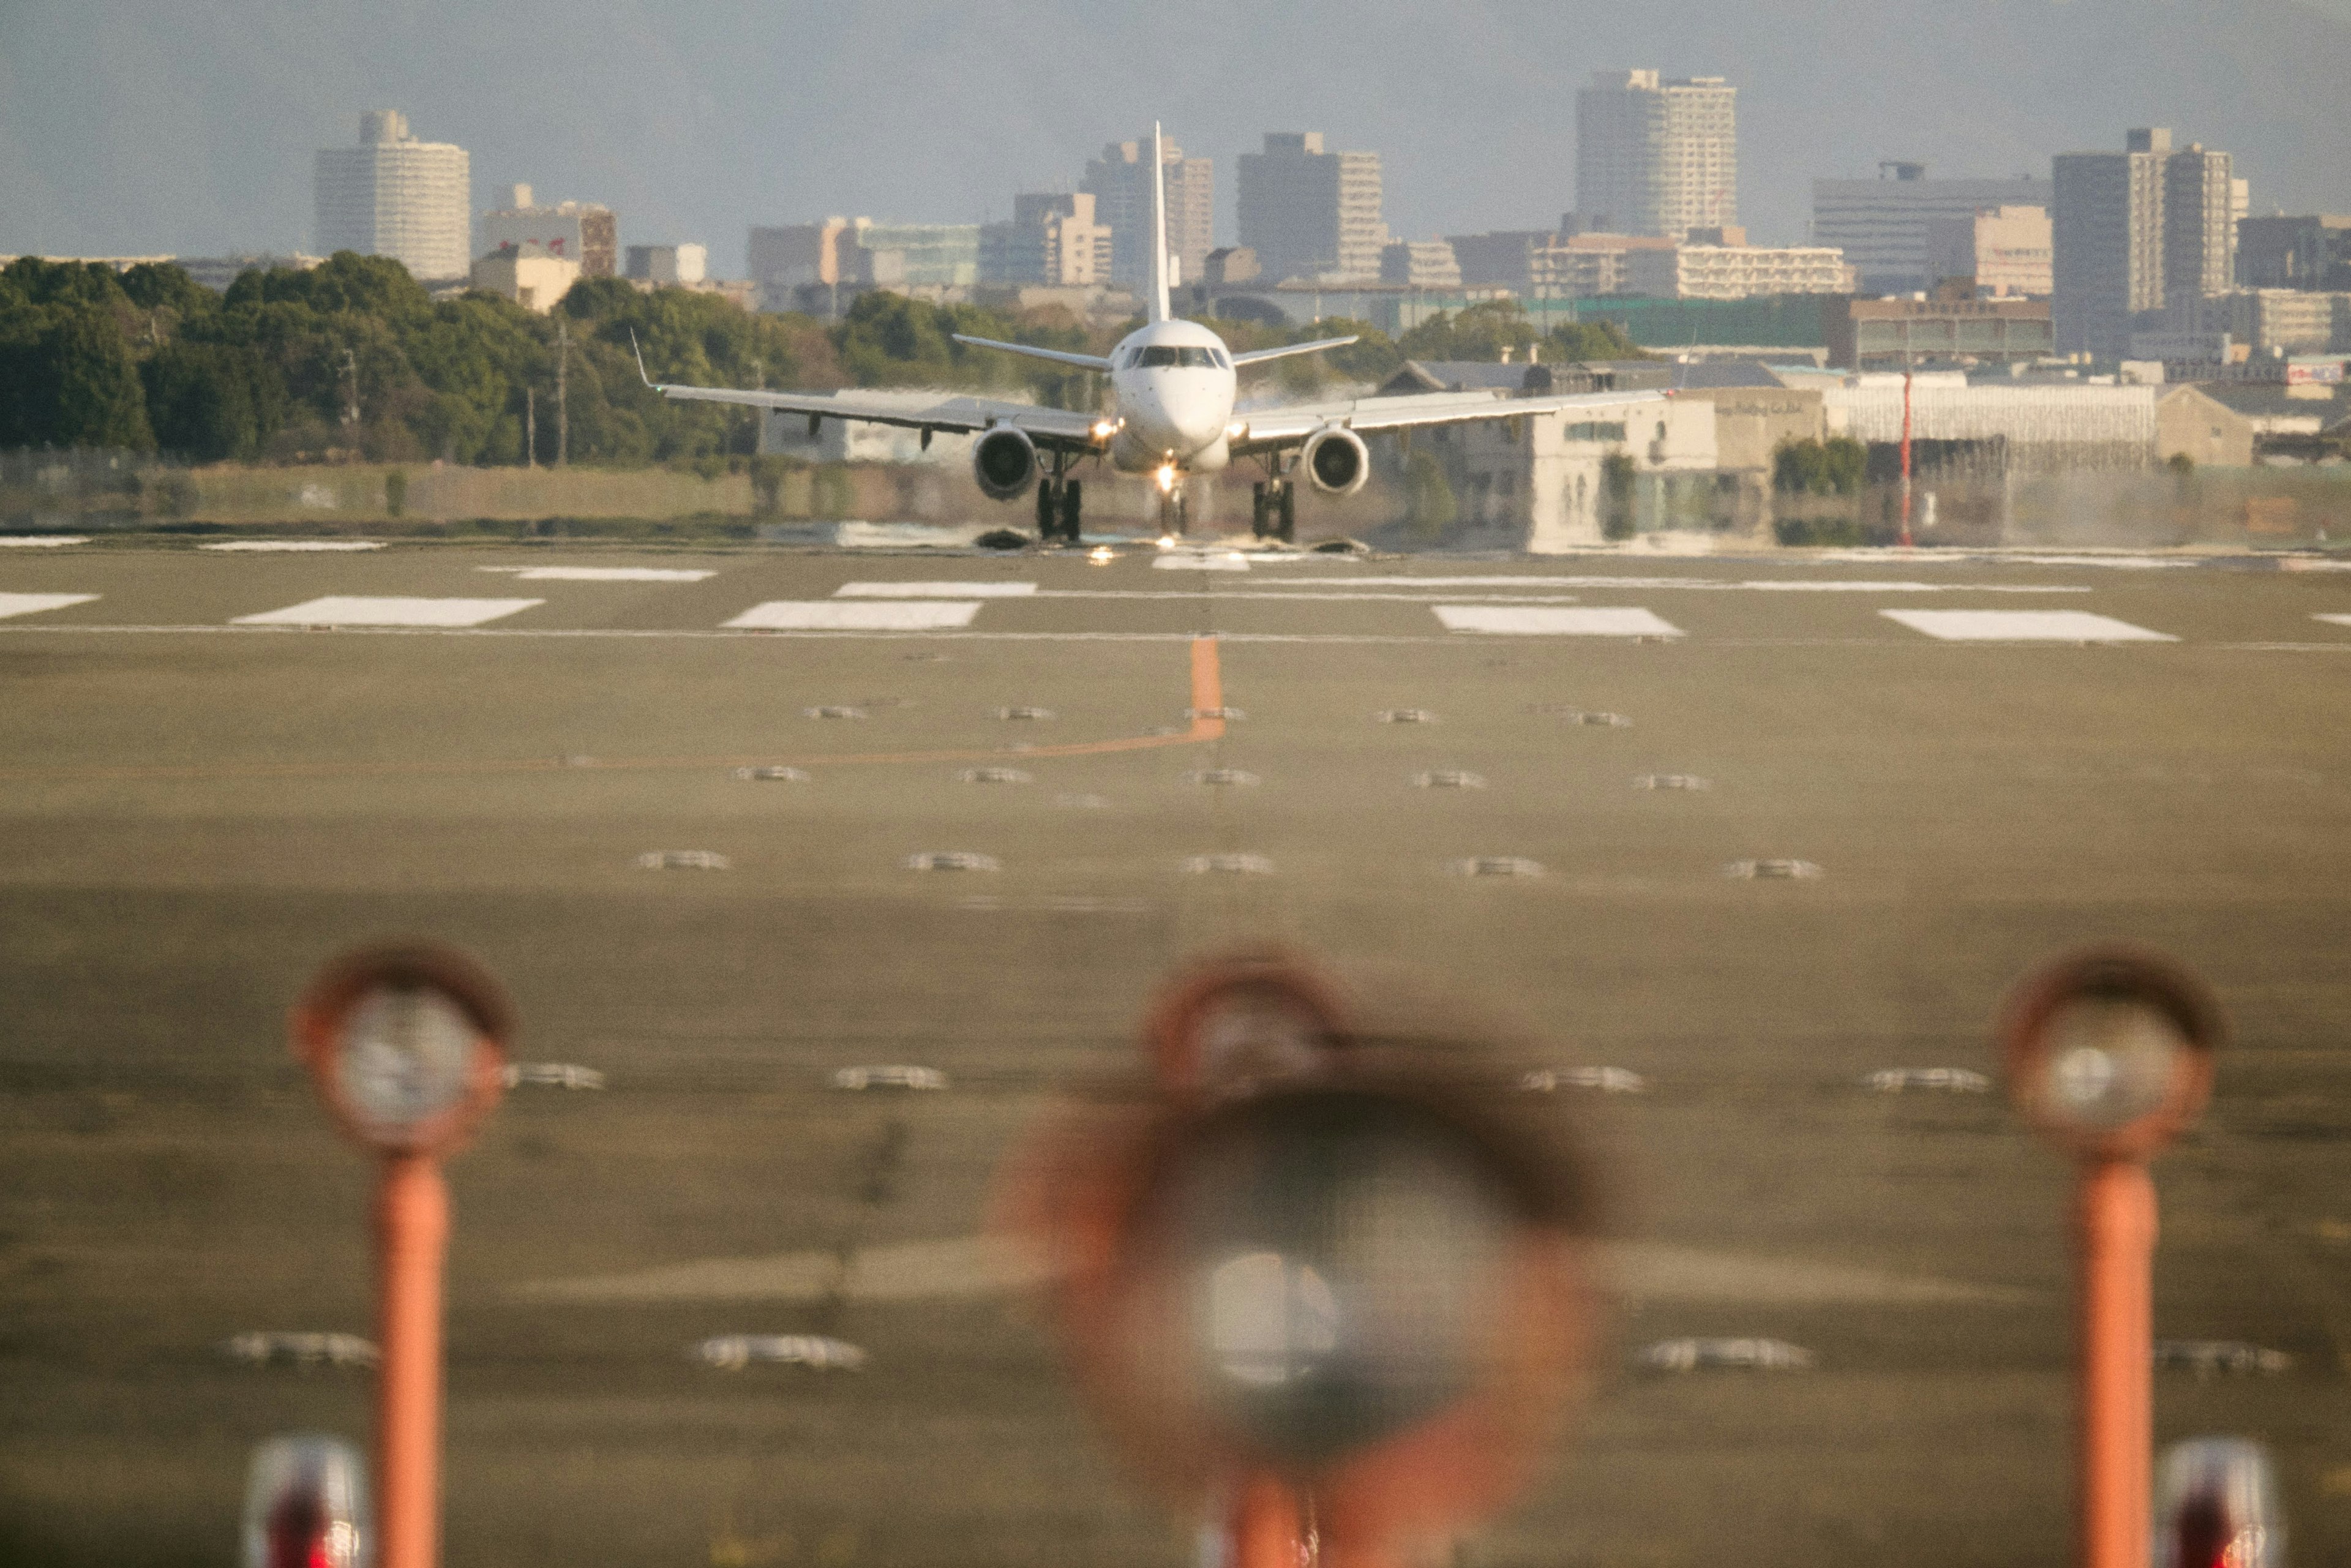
1260 356
1274 428
1053 428
1056 429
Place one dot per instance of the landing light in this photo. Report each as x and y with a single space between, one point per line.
1167 542
1235 429
1101 555
1104 429
1166 478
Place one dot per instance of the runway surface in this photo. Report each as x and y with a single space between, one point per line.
217 769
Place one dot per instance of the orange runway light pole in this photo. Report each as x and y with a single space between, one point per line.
2109 1055
407 1046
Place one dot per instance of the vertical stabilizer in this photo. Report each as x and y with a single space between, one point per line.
1158 302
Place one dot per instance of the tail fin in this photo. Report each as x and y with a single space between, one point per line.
1158 302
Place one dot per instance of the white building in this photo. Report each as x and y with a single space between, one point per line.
1734 271
1656 156
1881 223
526 275
2004 249
394 195
669 265
1420 263
584 231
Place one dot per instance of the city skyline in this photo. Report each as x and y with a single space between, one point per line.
674 124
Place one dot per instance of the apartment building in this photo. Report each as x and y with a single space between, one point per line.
1656 156
1881 224
394 195
2130 230
1120 183
1312 213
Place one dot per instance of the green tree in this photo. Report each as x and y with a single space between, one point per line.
211 402
1837 467
68 378
1429 506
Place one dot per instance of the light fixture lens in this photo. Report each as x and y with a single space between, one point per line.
2108 1062
406 1055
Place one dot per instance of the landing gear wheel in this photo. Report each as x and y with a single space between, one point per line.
1072 503
1046 511
1287 529
1258 510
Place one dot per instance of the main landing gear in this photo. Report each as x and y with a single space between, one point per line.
1273 510
1060 508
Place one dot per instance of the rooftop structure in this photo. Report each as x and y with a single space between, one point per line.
1656 156
1881 223
394 195
1310 213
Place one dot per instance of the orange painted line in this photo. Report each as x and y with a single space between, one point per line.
1208 694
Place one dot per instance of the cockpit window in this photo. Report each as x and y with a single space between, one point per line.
1222 362
1166 357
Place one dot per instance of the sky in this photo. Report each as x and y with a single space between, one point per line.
133 128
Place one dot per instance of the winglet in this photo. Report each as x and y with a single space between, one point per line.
1159 310
640 359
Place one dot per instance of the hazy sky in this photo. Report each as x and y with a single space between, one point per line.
133 127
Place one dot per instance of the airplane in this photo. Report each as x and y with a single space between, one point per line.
1173 384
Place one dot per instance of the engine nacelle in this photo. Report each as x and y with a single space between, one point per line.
1004 461
1336 461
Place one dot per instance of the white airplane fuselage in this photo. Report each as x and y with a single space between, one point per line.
1172 386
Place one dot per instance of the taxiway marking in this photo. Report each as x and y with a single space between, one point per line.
1527 621
34 603
868 615
352 610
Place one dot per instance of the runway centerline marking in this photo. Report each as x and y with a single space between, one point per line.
275 546
2334 619
856 615
34 603
1618 621
1714 585
353 609
2023 626
935 590
1207 692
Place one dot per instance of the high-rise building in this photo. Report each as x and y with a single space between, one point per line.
2281 252
584 232
1420 263
1311 213
1120 183
1052 241
1881 223
1656 156
2132 230
394 195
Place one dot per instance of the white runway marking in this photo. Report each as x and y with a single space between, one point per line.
935 590
39 541
306 546
603 573
1196 561
2334 619
871 615
34 603
1544 622
338 610
2023 626
1751 585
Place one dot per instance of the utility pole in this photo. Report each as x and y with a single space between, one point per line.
562 402
530 427
351 369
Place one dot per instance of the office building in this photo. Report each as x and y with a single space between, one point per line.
928 255
669 265
1120 183
2129 231
2000 251
394 195
2308 252
1881 223
1718 264
1310 213
1054 241
1656 156
584 231
1420 263
1883 334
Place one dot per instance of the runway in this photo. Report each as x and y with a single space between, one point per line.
217 767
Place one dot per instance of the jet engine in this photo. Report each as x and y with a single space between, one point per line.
1336 460
1004 461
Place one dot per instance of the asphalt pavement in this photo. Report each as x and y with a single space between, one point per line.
219 768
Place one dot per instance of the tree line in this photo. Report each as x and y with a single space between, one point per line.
353 359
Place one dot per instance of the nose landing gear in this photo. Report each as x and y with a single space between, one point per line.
1273 510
